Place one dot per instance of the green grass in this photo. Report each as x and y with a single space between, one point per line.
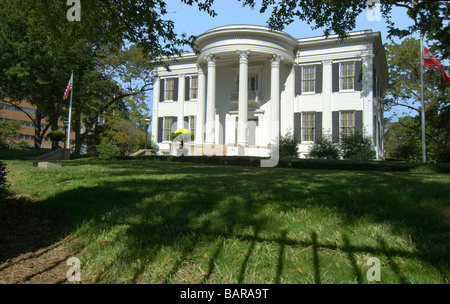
168 222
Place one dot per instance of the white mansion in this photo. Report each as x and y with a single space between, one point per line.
247 85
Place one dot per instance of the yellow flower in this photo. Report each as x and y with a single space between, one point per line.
184 131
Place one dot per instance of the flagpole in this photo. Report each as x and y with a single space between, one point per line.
424 149
70 118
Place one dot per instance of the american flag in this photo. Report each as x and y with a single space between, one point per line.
68 89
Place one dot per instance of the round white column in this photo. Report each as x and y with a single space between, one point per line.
211 101
243 97
199 136
275 100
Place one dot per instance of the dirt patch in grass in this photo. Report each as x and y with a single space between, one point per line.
32 243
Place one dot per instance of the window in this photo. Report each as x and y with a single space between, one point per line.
347 123
28 137
169 89
193 94
4 106
192 123
309 79
168 121
346 76
308 126
253 83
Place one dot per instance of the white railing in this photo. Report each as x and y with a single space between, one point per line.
252 96
253 99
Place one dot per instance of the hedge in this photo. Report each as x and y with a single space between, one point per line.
324 164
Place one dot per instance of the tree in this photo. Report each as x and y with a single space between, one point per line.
9 131
120 135
34 66
403 139
404 92
430 17
37 59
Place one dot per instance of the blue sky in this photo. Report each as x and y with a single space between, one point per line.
189 20
192 22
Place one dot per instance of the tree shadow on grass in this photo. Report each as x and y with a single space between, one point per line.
26 226
211 203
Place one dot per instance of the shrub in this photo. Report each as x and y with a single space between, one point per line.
324 148
443 156
288 146
4 186
108 150
57 135
357 147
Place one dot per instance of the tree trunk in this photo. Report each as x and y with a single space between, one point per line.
77 131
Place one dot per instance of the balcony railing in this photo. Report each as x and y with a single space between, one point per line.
253 99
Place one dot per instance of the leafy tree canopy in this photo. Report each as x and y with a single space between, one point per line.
430 17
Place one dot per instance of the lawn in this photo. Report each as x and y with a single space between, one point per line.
150 221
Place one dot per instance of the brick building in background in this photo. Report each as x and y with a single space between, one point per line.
10 112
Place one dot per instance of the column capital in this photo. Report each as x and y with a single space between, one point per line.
210 58
200 68
243 55
276 59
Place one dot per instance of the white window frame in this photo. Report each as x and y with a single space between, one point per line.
308 132
193 90
167 128
309 80
250 76
169 92
348 77
344 125
192 123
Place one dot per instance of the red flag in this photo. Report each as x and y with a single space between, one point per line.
430 60
69 87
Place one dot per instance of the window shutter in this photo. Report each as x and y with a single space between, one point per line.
161 90
160 128
318 125
335 126
298 127
175 89
358 122
187 95
319 77
358 76
298 80
335 75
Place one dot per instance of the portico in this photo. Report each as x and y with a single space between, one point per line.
243 47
